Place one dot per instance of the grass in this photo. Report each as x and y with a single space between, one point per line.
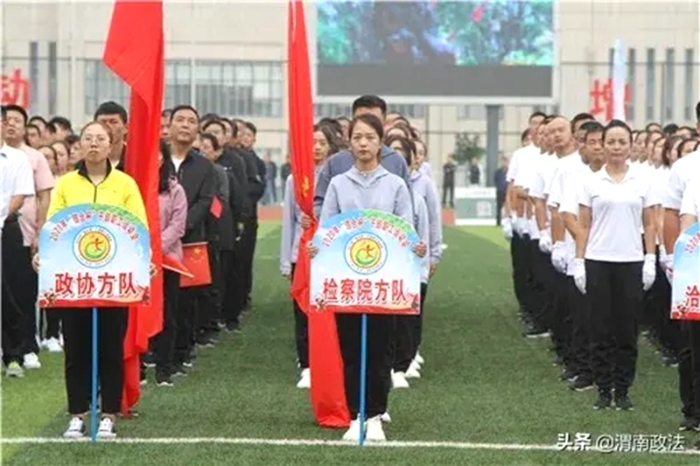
482 382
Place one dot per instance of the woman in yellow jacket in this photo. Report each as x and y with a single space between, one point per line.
94 181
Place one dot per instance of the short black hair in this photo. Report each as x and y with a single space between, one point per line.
231 124
369 101
14 108
72 139
3 112
209 116
592 127
61 122
166 113
216 122
536 115
211 138
617 124
38 118
697 111
251 127
370 120
180 108
524 135
32 126
111 108
670 128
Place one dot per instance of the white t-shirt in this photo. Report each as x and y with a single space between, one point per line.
690 204
682 171
565 166
16 178
570 204
616 215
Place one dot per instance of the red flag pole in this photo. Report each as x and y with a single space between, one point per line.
325 361
135 52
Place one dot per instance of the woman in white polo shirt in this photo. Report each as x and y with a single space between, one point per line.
612 266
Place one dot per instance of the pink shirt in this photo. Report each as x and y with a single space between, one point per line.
43 180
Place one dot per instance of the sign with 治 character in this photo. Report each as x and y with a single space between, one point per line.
685 303
366 264
94 255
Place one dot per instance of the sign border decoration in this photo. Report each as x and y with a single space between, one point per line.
122 231
685 286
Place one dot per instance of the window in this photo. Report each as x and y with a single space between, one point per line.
669 85
33 75
332 110
408 111
53 80
631 82
689 97
101 84
240 89
650 85
475 112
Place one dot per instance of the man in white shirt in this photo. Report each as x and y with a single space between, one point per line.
517 223
16 184
569 162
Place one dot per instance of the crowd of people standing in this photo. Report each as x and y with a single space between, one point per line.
593 214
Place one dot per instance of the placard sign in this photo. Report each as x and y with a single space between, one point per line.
366 264
94 255
685 304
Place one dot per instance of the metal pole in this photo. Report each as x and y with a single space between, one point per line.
493 129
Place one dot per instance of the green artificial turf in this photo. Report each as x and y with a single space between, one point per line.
482 383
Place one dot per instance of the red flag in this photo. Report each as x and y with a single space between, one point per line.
195 257
135 52
173 263
216 208
325 361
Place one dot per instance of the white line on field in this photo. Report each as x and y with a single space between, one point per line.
306 442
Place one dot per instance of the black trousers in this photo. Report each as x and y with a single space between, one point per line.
520 257
250 237
164 342
689 367
301 331
448 194
209 297
657 313
51 323
418 320
77 346
561 320
580 332
184 324
616 297
540 298
11 320
378 381
500 201
22 284
231 304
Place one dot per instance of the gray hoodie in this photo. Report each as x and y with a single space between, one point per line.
343 161
378 189
423 187
423 231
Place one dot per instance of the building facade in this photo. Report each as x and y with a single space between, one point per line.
228 57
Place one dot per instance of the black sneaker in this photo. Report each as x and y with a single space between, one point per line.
623 402
180 371
604 400
536 332
187 362
164 380
148 360
581 384
568 375
558 361
689 423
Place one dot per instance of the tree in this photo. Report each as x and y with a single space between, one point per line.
467 148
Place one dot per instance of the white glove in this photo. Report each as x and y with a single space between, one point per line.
579 267
649 271
545 242
521 226
666 262
559 256
507 228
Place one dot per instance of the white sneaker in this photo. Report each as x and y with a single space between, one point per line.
385 417
42 343
353 433
375 430
398 380
412 373
76 429
106 429
31 361
53 345
14 370
414 365
305 380
419 359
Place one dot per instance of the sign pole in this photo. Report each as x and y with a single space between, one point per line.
93 407
363 377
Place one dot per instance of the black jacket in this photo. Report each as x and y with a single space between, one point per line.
238 184
255 169
197 177
220 231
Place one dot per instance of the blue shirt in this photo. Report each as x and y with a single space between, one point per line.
499 179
